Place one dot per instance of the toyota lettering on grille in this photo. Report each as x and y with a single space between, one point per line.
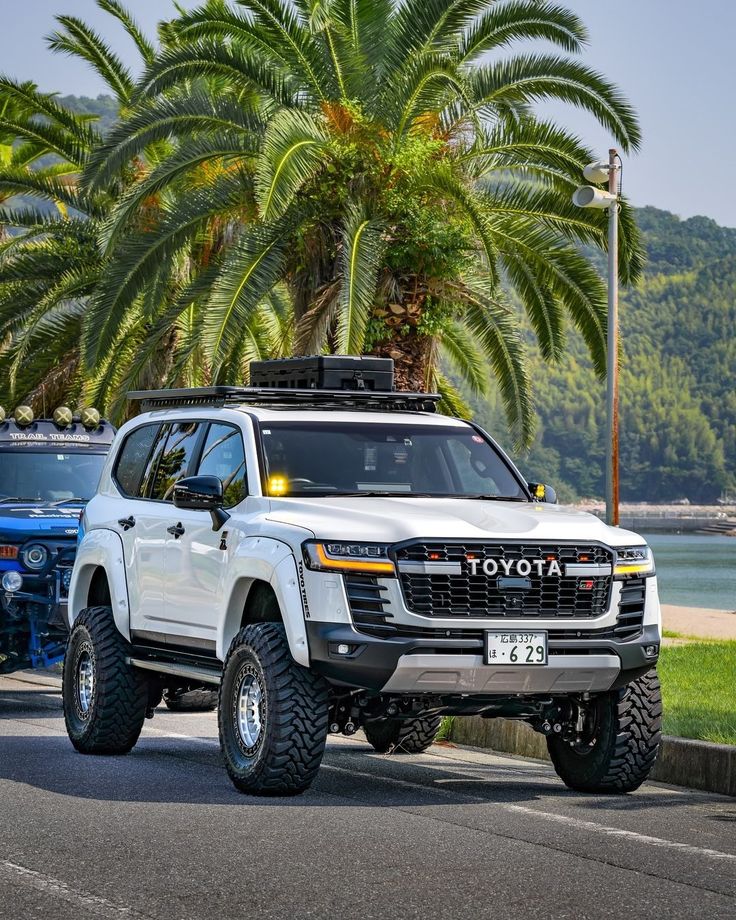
544 568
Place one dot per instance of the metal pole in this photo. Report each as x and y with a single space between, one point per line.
612 490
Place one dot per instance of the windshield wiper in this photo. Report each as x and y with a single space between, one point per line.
493 498
15 498
66 501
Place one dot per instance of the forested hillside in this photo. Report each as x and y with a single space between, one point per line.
678 416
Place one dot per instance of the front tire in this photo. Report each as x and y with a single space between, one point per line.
622 744
273 715
105 699
403 736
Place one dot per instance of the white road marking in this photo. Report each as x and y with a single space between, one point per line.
577 823
93 905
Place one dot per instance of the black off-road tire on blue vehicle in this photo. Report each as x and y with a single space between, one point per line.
190 700
403 736
621 743
105 699
273 715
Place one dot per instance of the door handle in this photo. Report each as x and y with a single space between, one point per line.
176 530
127 523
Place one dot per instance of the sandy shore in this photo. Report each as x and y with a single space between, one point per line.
697 621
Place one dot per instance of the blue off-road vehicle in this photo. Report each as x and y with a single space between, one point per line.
49 469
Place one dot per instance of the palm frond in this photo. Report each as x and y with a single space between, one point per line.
116 9
167 118
250 270
361 251
137 260
497 334
522 20
466 358
77 39
533 78
293 146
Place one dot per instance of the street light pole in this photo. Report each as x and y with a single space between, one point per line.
588 196
612 479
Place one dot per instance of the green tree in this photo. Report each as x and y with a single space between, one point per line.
381 162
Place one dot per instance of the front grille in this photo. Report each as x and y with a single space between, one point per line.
631 609
466 595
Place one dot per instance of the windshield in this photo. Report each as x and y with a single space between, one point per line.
352 458
49 476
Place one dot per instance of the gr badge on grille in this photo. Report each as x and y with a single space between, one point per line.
521 567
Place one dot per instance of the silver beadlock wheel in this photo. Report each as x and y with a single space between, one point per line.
85 681
250 697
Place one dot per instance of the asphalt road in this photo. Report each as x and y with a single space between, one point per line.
162 834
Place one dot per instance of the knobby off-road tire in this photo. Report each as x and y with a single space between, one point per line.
273 715
105 699
403 736
625 741
191 700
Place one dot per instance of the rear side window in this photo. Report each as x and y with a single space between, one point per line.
133 458
223 456
149 474
173 465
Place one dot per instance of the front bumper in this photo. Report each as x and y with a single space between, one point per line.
450 666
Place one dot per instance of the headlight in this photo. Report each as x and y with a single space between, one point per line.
12 581
366 558
34 556
634 560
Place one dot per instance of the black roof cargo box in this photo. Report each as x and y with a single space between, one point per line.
325 372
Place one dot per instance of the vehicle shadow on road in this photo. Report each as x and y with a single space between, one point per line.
171 770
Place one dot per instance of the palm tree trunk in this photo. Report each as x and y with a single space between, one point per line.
411 356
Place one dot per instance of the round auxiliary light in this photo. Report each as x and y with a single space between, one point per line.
63 417
89 417
12 581
34 557
2 415
23 416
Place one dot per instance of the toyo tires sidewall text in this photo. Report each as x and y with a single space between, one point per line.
293 715
106 717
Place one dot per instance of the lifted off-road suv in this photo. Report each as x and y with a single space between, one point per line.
336 556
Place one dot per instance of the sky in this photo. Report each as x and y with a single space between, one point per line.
674 59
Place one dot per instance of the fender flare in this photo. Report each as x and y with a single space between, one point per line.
100 548
271 561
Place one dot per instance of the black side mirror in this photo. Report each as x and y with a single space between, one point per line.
202 493
542 493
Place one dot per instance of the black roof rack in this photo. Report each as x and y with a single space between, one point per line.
282 396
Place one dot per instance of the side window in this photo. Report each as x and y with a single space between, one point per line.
149 474
132 459
175 458
223 456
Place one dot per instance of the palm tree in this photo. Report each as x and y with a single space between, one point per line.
383 161
50 261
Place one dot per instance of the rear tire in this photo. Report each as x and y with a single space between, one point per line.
105 699
403 736
273 715
191 700
624 741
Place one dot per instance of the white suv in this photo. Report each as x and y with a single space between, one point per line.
345 560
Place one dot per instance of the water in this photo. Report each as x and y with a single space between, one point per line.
695 571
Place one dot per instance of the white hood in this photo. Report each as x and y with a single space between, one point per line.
393 520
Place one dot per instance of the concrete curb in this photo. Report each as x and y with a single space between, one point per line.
681 761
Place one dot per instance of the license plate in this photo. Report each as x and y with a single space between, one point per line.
517 648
